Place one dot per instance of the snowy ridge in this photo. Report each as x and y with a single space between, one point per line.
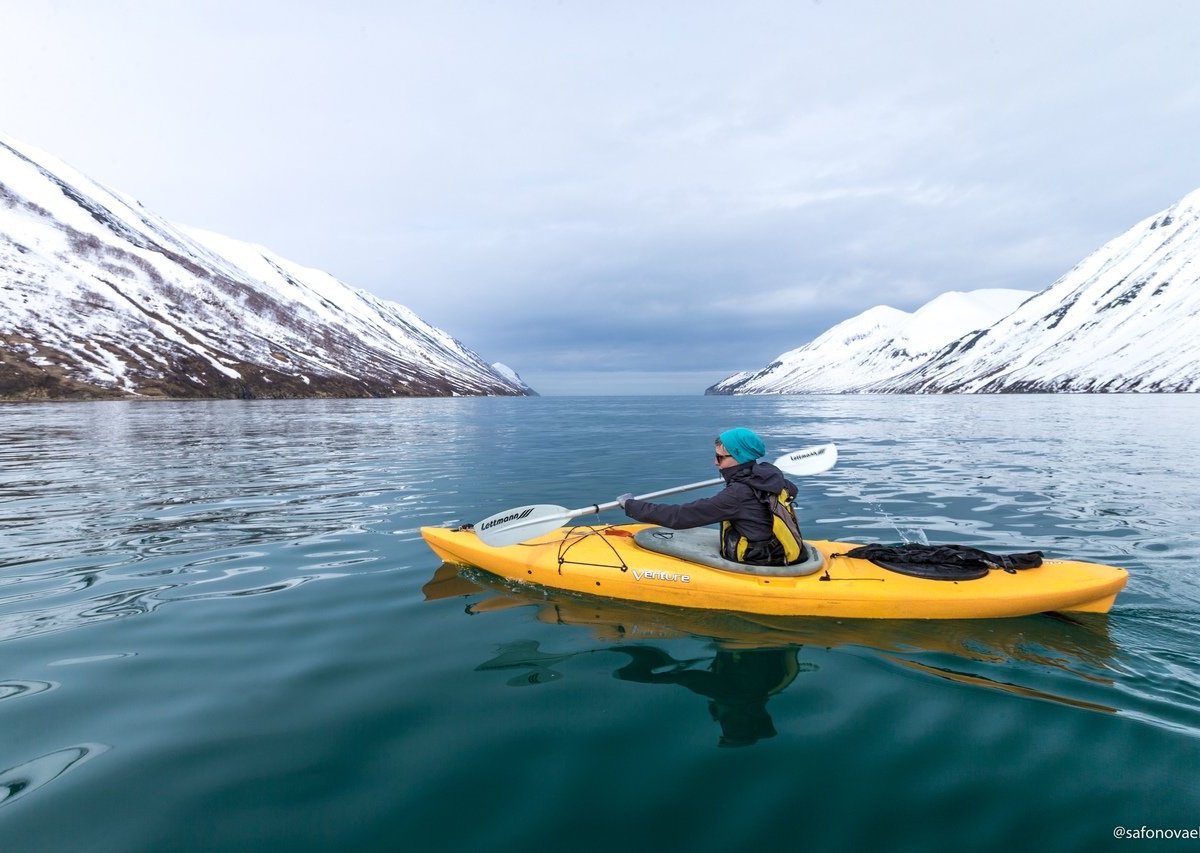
1125 319
101 297
875 346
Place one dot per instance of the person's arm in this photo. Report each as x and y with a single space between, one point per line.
723 505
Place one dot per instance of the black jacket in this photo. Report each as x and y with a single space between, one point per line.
736 503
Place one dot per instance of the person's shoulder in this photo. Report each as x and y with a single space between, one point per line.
768 473
768 477
737 486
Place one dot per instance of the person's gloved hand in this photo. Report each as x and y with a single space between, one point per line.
625 497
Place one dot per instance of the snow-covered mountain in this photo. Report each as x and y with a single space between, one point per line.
1126 318
513 377
877 345
99 297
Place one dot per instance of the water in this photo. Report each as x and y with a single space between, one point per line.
220 630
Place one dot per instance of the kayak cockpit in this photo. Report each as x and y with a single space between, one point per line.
700 545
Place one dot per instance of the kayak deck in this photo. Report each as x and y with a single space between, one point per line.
607 561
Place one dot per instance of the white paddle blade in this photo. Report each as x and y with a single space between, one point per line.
519 524
808 460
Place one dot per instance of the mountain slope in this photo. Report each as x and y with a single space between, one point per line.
1126 318
513 377
99 297
875 346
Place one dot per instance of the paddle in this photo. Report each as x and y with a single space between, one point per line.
523 523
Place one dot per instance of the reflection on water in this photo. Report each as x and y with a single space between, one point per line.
1070 661
737 682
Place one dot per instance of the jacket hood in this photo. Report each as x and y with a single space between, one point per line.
762 476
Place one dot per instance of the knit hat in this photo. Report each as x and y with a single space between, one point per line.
743 444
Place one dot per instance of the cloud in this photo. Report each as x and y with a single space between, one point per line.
629 190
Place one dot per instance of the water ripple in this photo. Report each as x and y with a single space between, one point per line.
194 493
23 779
14 688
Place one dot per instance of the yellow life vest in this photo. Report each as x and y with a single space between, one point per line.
786 540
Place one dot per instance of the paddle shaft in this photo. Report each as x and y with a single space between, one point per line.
575 513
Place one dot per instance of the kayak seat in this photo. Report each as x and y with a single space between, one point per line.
700 545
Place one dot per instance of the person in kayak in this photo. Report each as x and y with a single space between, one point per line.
758 524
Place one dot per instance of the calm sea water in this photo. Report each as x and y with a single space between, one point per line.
220 630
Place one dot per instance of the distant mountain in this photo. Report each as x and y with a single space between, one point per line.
1126 318
99 297
511 375
877 345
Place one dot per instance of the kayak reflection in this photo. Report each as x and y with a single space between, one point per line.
737 682
1068 660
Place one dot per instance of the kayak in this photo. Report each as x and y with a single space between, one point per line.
648 564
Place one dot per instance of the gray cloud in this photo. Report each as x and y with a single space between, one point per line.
629 197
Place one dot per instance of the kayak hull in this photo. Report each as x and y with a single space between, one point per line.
606 561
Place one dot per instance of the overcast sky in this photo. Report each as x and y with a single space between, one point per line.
628 197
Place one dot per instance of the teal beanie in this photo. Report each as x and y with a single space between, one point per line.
743 444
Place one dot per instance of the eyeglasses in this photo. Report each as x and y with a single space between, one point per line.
721 456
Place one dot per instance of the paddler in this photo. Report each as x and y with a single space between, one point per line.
758 523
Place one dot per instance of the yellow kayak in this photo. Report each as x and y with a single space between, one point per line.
628 562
